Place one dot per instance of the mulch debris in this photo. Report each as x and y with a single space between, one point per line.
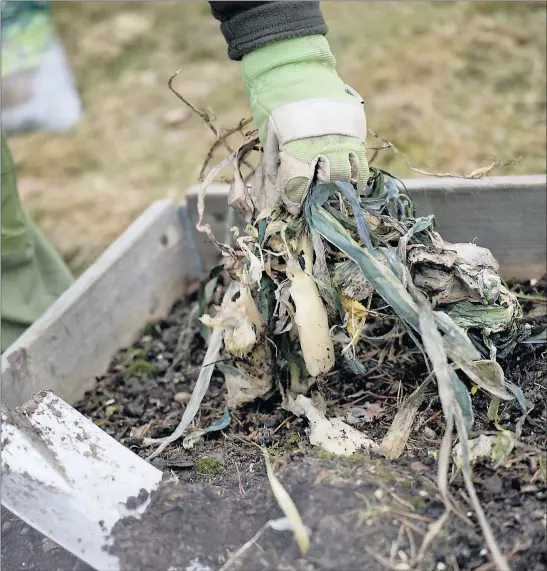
364 512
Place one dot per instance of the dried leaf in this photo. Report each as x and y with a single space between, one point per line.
351 282
543 467
503 446
255 265
373 410
334 435
247 380
239 320
192 437
239 198
366 413
286 504
495 447
394 442
488 375
112 409
202 384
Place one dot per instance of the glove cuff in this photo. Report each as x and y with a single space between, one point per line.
306 49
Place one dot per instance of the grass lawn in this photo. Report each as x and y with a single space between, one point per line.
454 85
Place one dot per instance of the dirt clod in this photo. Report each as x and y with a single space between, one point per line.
133 502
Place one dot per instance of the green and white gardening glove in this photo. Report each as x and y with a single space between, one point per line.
312 126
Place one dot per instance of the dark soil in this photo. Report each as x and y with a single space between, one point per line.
350 506
364 513
25 548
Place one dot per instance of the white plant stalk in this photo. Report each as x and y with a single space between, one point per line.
311 321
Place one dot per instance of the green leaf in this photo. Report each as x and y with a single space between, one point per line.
220 424
486 317
539 338
262 225
322 277
346 221
382 278
266 298
353 365
519 395
349 193
456 341
458 346
320 193
192 437
464 400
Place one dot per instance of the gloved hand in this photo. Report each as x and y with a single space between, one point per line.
310 123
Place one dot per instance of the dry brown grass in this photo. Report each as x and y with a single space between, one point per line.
454 85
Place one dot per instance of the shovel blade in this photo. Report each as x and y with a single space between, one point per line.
68 479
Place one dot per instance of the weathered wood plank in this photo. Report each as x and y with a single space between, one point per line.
506 214
135 281
217 214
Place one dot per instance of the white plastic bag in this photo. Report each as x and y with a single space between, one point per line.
38 89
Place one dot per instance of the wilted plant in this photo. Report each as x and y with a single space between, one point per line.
305 277
313 274
299 281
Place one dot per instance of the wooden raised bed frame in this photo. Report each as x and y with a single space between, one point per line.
153 263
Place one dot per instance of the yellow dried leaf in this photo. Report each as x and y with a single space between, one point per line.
357 314
288 507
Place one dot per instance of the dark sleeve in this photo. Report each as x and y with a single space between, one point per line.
250 25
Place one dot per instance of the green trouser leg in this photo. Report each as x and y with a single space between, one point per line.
33 275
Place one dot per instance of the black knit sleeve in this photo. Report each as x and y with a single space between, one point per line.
250 25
